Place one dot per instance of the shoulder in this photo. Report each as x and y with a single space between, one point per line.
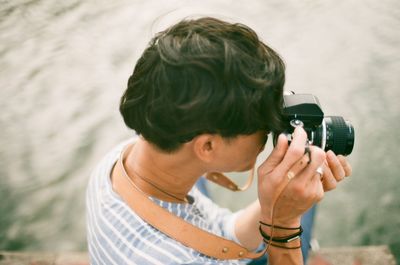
116 235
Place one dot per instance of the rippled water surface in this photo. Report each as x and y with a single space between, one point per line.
64 65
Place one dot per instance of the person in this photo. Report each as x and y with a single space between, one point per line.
203 97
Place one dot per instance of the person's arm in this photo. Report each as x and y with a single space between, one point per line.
246 226
247 232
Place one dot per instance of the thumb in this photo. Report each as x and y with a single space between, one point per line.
276 156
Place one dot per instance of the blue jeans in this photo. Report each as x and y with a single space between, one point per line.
307 222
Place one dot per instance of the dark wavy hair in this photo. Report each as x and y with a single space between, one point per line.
204 76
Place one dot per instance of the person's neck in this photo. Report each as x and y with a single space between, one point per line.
166 176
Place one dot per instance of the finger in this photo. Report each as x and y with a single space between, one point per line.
335 165
294 152
328 180
275 157
346 165
318 188
314 188
317 159
298 166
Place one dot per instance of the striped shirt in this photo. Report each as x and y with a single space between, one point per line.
116 235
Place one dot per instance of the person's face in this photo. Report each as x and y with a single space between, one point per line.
240 153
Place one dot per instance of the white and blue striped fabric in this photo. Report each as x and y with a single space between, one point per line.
117 236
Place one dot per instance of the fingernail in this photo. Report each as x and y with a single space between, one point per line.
297 129
331 155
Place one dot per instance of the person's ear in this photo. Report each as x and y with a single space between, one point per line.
205 146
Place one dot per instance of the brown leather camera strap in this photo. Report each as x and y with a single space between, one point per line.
226 182
173 226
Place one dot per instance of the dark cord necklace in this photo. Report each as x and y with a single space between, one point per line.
148 181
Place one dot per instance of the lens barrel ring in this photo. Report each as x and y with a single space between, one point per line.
339 134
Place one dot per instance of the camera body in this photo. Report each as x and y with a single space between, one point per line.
328 132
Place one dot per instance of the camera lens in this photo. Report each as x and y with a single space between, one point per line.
337 135
334 133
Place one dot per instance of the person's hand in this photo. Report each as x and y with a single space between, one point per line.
335 169
288 183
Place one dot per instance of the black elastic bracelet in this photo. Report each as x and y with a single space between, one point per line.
286 239
279 246
280 227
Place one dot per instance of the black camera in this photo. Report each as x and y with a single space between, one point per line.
328 132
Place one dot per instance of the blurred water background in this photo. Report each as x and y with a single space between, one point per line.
64 65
